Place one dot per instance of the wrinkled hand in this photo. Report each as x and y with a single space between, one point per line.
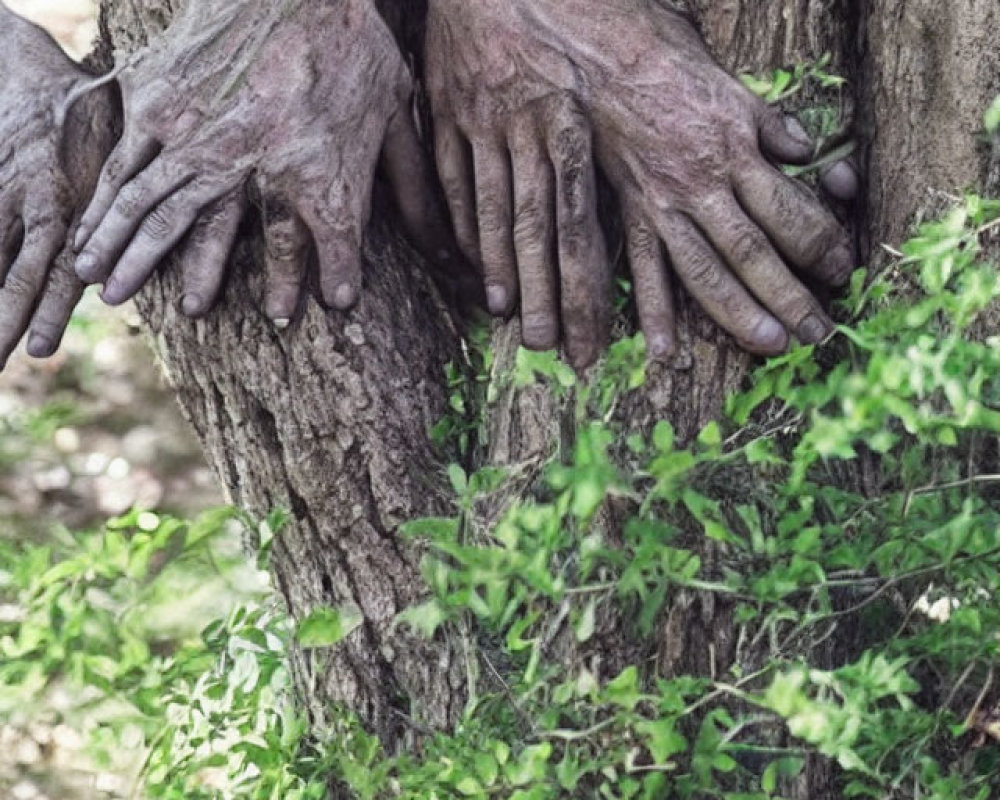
537 88
50 156
299 96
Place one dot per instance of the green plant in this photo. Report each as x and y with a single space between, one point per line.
851 493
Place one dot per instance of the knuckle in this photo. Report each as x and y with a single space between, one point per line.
530 223
20 285
747 247
114 169
159 223
642 240
130 200
494 217
702 269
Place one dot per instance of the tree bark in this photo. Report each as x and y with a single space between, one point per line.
329 418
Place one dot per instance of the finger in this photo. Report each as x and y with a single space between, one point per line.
205 254
800 227
132 207
11 237
840 180
132 155
750 255
410 176
716 289
61 295
654 297
25 280
584 267
159 233
494 206
783 138
337 225
286 240
454 169
534 238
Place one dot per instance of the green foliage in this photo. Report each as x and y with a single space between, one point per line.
846 498
783 83
992 121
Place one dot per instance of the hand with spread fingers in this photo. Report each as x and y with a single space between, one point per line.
51 150
530 96
301 97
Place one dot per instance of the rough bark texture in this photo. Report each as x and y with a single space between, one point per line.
329 418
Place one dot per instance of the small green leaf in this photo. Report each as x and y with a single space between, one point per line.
325 627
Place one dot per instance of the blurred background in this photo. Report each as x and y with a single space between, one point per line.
84 436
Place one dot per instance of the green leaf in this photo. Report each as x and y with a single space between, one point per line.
425 618
325 627
993 117
585 623
662 739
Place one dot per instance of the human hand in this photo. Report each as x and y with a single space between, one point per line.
301 97
51 150
685 145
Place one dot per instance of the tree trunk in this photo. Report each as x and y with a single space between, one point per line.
329 418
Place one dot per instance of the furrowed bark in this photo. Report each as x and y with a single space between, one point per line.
329 419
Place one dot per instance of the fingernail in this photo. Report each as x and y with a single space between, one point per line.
796 131
769 338
80 239
344 297
496 299
281 323
539 332
191 305
841 181
813 329
660 347
838 265
86 268
40 346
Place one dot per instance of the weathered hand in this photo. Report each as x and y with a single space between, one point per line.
50 154
526 200
684 144
300 96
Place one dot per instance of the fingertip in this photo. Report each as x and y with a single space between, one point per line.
814 329
40 346
539 332
840 180
192 305
661 347
582 355
838 265
87 268
769 338
80 238
783 138
344 296
498 300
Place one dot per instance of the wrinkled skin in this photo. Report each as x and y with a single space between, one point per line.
530 96
50 154
299 97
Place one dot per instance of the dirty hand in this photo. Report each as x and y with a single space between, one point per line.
51 151
300 96
535 91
